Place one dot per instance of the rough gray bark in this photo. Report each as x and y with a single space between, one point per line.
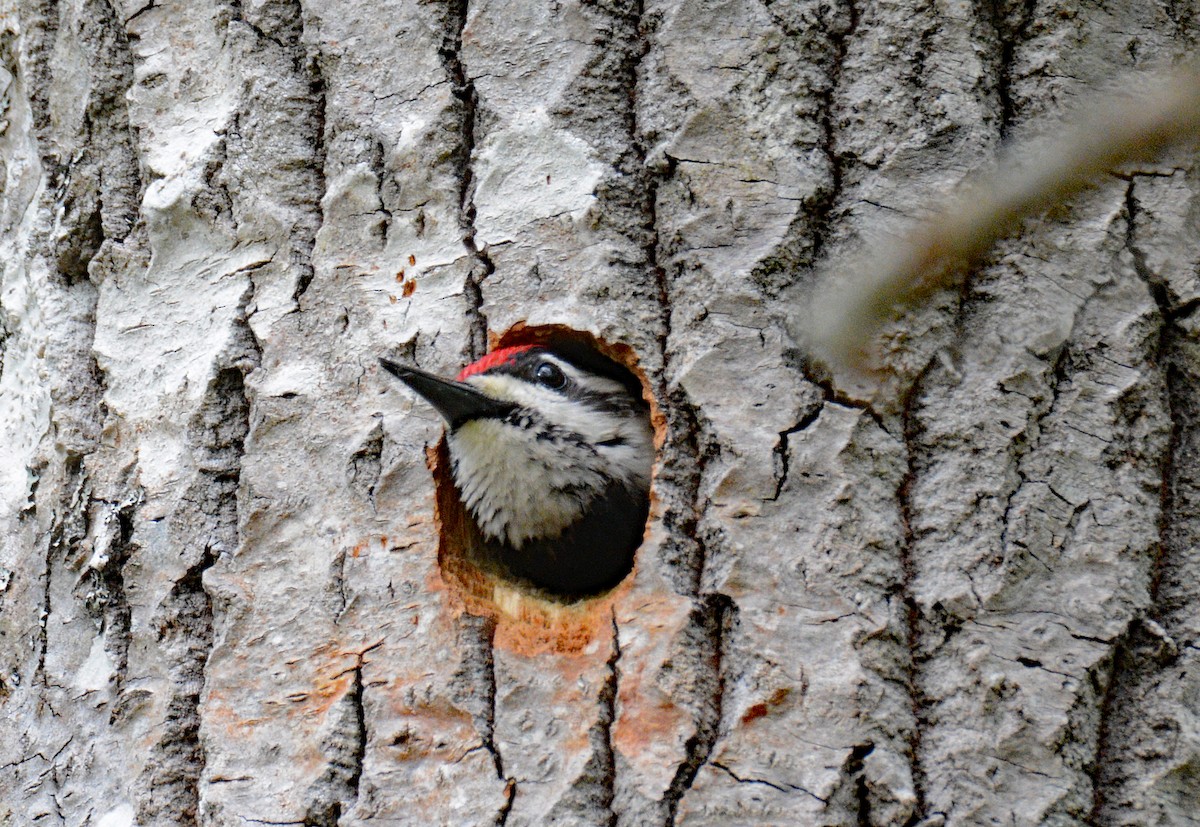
220 594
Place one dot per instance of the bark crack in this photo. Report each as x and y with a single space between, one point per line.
1010 27
684 426
608 715
823 209
40 22
474 686
831 395
808 237
910 429
1137 646
106 597
686 455
297 93
336 792
782 459
783 788
590 798
481 265
855 769
205 527
1029 439
711 624
365 464
90 202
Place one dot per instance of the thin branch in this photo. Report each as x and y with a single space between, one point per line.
850 312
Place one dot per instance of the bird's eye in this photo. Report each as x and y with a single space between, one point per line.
550 375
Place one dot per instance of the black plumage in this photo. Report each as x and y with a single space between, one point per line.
588 558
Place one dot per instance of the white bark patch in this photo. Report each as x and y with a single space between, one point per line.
532 171
24 396
119 816
95 672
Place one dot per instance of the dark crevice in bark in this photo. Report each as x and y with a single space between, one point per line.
39 23
109 587
306 237
1029 439
214 202
838 397
116 168
783 788
139 12
473 687
42 641
590 798
478 675
1184 310
171 788
102 588
91 198
59 541
911 430
636 189
278 136
93 195
823 209
376 160
608 716
481 265
365 464
1145 646
1010 20
923 47
806 241
1155 283
685 551
510 797
601 105
69 528
855 769
359 746
781 457
633 196
1115 702
345 745
204 527
707 643
4 334
814 372
336 589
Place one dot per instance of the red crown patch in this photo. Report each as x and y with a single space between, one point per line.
493 359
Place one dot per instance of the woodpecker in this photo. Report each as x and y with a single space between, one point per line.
551 451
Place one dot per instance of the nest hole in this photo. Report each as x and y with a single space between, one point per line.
528 617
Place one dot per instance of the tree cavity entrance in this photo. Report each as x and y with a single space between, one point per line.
532 615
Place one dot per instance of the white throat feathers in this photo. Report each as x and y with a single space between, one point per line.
534 473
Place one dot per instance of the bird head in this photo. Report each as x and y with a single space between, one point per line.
537 435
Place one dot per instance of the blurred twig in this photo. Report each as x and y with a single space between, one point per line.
848 315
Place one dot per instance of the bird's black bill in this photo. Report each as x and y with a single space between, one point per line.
457 402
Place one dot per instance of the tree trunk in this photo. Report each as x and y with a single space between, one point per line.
227 591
